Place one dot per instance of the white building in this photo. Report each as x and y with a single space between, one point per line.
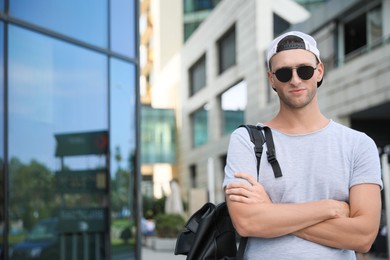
224 83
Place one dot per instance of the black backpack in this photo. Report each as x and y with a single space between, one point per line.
209 232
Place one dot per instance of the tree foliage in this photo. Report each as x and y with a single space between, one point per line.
32 192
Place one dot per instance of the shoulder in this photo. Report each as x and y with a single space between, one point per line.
358 141
240 132
349 133
240 136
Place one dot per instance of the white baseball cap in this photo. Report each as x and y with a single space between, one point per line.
309 44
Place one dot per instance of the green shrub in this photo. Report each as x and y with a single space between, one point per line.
152 206
169 225
126 234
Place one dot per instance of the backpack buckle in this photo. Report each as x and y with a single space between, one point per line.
258 151
271 157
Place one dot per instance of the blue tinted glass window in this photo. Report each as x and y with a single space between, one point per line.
122 112
199 126
54 88
227 50
197 75
158 135
123 152
199 5
122 27
84 20
233 105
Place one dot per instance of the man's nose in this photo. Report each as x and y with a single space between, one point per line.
295 79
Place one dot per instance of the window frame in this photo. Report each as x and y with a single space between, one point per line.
224 42
198 67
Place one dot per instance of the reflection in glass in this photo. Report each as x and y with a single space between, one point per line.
192 5
122 27
158 138
233 104
55 89
199 126
227 50
73 18
122 150
198 75
374 25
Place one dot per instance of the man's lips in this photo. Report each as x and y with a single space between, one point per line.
297 90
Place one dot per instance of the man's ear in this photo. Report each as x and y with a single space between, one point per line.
320 75
271 80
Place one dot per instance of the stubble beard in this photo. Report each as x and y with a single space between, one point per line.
298 102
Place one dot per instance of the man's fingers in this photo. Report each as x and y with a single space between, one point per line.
246 176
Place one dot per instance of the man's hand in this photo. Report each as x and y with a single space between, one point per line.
341 209
249 193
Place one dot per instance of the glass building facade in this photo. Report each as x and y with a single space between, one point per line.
68 129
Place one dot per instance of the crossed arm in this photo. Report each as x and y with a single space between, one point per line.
331 223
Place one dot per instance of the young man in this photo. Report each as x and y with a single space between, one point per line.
327 203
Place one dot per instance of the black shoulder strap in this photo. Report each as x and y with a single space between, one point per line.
256 136
258 140
271 156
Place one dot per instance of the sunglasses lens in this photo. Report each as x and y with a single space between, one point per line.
283 74
305 72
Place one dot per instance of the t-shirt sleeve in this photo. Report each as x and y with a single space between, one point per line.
366 165
240 157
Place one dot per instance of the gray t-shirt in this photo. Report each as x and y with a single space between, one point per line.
321 165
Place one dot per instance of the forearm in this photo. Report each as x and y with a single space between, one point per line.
343 233
254 214
356 232
273 220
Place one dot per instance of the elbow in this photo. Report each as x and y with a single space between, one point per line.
242 228
246 228
365 243
363 248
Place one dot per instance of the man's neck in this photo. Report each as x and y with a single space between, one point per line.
298 121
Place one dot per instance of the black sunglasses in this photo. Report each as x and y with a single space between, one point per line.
285 74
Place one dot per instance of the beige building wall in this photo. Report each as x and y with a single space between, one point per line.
167 41
161 24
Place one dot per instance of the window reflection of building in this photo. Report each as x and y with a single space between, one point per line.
363 31
73 77
233 106
197 74
227 50
200 126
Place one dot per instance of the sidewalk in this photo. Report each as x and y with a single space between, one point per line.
150 254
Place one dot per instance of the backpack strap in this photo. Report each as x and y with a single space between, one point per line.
271 156
257 138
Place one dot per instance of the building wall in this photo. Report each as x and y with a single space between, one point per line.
162 37
349 87
253 31
360 84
